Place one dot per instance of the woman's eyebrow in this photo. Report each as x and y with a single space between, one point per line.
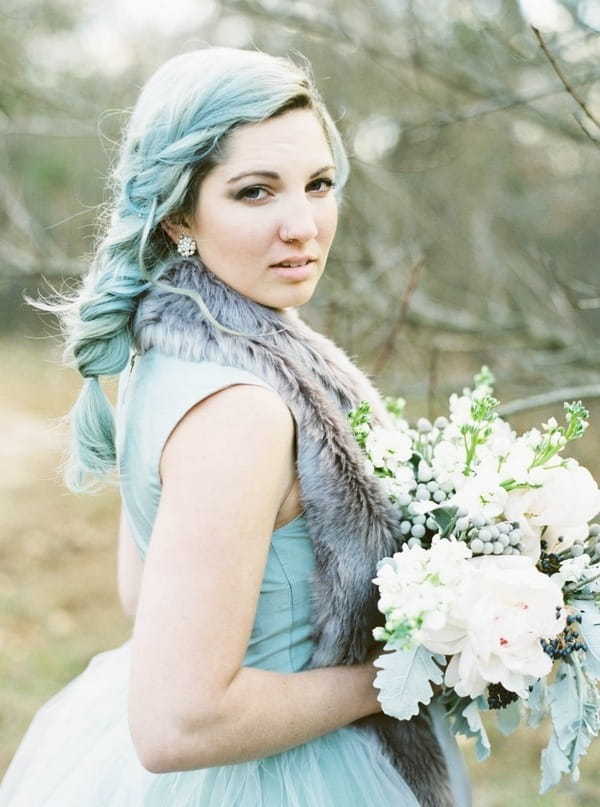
274 174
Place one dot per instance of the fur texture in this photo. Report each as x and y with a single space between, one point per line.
351 523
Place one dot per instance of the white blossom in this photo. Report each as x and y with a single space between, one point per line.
388 448
509 607
572 569
460 409
560 507
448 460
481 493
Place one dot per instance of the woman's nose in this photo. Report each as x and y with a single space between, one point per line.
299 222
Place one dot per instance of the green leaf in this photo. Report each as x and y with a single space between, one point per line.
445 518
554 763
574 704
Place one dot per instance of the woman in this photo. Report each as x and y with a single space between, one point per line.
249 679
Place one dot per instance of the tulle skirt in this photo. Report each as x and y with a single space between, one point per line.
78 753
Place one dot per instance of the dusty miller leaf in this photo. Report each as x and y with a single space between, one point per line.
464 715
404 680
537 703
574 704
508 719
590 630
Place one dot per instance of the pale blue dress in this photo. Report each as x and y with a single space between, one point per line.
78 752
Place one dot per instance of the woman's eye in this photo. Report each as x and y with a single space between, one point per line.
256 193
321 185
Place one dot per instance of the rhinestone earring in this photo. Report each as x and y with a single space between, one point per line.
186 246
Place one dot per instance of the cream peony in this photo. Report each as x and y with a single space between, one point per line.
561 507
508 606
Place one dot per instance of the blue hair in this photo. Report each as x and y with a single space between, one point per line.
175 136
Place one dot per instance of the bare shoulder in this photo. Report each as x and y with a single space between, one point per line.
240 418
249 404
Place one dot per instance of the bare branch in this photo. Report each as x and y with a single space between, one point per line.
565 82
46 126
555 396
588 304
493 105
489 100
388 346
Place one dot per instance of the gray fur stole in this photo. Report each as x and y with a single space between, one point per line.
350 520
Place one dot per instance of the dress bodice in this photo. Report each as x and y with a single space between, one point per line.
154 395
281 635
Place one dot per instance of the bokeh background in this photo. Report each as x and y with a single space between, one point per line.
469 236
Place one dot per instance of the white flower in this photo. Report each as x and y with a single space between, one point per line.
565 501
509 606
481 493
532 438
387 448
572 570
402 483
448 460
501 439
418 587
460 409
517 462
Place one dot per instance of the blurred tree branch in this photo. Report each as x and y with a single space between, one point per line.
318 23
389 344
567 84
547 398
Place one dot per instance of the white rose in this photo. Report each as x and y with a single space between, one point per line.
509 606
564 504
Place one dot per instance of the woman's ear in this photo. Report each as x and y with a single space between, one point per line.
175 226
172 229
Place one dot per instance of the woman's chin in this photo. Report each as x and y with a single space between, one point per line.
293 296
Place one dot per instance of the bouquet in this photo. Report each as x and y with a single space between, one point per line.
494 595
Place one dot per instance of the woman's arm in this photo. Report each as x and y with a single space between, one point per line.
130 567
226 469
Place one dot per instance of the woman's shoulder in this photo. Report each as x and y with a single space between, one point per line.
155 393
158 389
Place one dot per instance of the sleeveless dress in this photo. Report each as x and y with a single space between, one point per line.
78 752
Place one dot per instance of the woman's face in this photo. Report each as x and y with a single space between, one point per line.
266 216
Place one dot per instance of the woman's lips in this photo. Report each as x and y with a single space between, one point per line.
294 269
